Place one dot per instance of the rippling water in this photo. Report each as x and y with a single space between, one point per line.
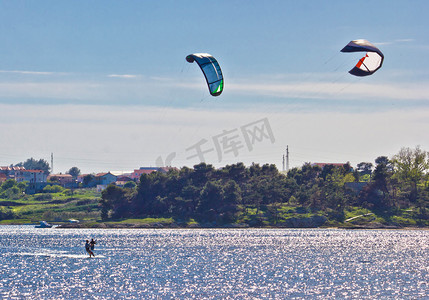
213 264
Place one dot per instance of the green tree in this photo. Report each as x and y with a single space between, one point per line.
232 198
151 197
201 174
363 172
327 170
335 196
364 168
190 197
130 185
53 189
8 184
382 173
32 164
211 198
10 189
236 172
22 185
378 193
88 180
411 166
307 182
74 172
6 214
115 200
232 193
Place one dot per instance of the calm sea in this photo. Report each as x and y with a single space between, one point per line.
214 264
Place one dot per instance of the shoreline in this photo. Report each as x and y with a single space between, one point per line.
151 226
229 226
168 224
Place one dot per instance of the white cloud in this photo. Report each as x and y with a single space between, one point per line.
26 72
404 40
397 41
159 78
170 91
127 76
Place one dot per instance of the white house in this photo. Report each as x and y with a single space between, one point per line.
32 176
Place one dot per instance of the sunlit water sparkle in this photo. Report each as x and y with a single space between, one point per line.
214 264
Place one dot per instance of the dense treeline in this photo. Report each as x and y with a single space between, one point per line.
221 195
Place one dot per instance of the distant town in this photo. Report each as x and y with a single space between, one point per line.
37 180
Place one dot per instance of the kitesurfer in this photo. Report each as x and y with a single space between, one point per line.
92 244
88 248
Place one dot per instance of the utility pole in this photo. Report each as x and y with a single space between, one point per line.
287 158
52 163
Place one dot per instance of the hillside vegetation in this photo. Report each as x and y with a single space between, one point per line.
256 196
55 204
392 194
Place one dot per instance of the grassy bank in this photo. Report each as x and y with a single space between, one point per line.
83 205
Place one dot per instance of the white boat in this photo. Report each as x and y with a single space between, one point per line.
44 224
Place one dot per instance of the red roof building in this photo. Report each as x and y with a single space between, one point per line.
63 179
3 178
145 170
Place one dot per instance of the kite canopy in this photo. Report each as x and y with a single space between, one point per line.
368 64
211 71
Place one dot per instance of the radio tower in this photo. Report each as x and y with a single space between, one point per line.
52 163
287 158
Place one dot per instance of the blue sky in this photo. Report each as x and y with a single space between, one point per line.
104 85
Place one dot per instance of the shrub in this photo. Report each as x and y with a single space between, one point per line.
53 189
83 202
403 221
6 214
41 197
